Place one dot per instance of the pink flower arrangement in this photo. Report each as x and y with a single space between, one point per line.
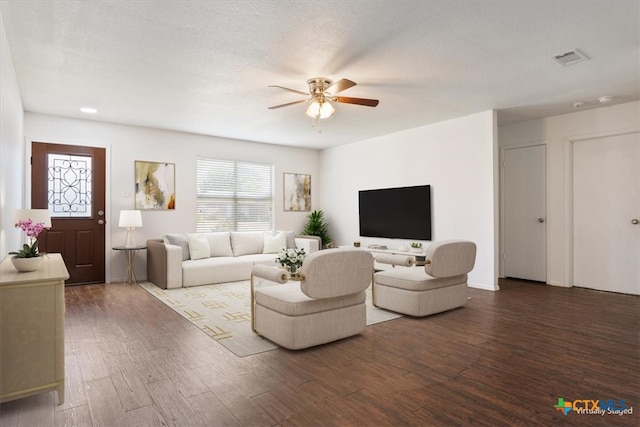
32 230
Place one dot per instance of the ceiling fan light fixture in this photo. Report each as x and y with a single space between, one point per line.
322 95
320 110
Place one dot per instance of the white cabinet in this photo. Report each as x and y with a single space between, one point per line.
32 329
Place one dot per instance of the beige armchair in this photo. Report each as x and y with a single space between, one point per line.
328 304
441 285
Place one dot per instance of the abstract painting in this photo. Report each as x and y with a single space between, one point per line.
155 186
297 192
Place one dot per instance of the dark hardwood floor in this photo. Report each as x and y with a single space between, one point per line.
503 359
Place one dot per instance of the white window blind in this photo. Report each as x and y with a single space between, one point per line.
234 196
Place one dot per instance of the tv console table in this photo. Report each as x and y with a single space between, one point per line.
32 329
419 256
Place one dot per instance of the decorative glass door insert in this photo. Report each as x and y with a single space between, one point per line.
69 185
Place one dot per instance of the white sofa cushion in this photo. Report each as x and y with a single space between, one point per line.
198 246
221 269
219 243
247 242
262 259
274 242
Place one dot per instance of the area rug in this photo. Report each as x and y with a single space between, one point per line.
223 312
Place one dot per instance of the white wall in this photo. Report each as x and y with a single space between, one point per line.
125 144
11 149
556 133
456 157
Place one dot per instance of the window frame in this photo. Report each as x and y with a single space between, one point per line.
239 202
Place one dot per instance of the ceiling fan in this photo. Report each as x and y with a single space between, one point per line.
322 92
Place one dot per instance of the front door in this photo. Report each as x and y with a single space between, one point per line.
70 182
524 213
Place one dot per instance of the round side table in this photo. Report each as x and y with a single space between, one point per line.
129 253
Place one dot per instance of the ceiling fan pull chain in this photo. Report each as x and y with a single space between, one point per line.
317 120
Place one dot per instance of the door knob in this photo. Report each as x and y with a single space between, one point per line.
634 221
540 219
100 221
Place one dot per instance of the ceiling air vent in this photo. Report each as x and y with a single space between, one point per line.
571 57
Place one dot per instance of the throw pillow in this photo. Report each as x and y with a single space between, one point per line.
247 242
273 243
219 243
198 246
291 239
180 240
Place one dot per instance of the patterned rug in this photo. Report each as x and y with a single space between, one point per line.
223 312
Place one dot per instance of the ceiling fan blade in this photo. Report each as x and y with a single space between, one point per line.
358 101
288 103
340 85
291 90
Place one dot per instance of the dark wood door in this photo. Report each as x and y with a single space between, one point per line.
70 182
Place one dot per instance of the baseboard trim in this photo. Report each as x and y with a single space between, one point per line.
484 287
560 284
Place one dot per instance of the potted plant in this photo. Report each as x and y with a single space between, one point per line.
416 247
317 226
28 258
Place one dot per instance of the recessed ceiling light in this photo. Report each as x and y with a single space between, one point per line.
605 99
88 110
578 104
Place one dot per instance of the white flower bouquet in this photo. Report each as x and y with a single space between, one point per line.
291 259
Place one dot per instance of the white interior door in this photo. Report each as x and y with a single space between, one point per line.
524 255
606 212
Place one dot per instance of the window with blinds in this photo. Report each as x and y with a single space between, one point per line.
233 196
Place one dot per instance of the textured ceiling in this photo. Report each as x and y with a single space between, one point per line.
204 66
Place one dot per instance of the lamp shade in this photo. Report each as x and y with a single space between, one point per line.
130 219
320 109
35 215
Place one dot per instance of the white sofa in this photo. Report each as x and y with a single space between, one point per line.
193 259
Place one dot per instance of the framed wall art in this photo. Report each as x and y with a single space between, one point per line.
155 186
297 192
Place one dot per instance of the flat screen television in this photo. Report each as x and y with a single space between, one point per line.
396 213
